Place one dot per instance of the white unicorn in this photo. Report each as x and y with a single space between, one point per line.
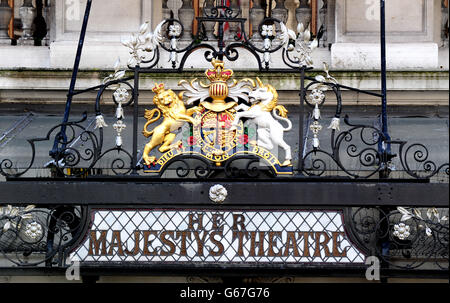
270 132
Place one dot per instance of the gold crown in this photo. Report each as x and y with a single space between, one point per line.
218 73
158 88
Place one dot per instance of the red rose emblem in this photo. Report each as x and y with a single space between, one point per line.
243 139
225 119
192 141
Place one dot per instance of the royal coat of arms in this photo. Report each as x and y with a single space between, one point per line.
216 130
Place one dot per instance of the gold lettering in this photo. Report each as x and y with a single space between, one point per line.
260 243
148 242
219 245
240 236
95 243
166 241
337 244
291 241
135 251
200 242
183 234
305 243
238 220
273 243
198 221
115 242
217 222
322 243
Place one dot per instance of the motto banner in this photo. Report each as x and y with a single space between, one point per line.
204 236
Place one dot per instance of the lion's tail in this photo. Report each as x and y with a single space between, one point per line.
282 116
150 116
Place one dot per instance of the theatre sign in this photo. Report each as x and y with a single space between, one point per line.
227 237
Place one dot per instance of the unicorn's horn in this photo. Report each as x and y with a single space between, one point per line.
260 84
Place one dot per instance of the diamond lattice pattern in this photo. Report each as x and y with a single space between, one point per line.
217 237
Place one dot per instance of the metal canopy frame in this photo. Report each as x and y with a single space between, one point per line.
168 192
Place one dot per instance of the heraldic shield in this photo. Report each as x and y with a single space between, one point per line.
213 128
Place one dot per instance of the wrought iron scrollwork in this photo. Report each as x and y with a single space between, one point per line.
85 156
239 166
184 165
355 152
82 148
145 45
360 142
221 11
32 236
404 238
67 156
418 153
252 168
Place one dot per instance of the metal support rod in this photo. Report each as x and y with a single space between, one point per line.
61 136
221 34
135 119
384 145
384 118
220 42
301 143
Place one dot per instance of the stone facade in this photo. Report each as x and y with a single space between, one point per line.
414 47
413 28
413 35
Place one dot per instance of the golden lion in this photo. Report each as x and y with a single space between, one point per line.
175 114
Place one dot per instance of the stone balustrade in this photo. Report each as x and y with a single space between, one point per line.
23 22
27 22
349 30
444 23
312 13
6 15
